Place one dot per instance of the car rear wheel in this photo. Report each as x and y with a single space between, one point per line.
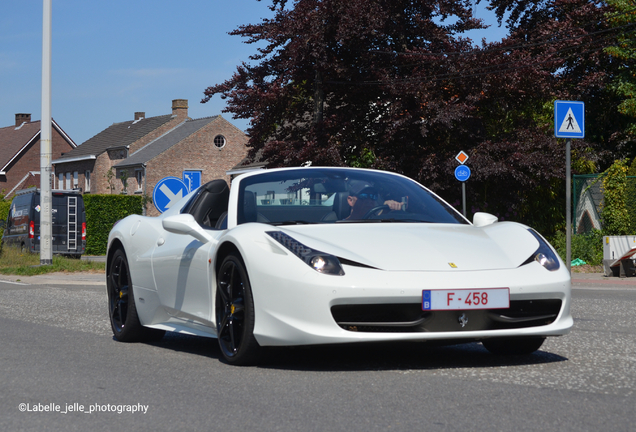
513 346
121 304
235 313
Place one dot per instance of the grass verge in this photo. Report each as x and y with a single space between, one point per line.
14 262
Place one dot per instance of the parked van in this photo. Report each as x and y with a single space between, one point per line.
22 227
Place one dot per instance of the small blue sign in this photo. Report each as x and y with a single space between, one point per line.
426 300
192 179
462 173
569 119
167 192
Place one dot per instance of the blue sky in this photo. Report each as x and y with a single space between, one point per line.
112 59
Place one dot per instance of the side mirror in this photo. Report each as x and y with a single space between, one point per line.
186 225
481 219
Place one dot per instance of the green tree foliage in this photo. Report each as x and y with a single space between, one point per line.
4 209
624 19
632 168
614 214
631 195
110 178
5 206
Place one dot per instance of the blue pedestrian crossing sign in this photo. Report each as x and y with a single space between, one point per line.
167 192
569 119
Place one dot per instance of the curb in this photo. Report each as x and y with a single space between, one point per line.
59 278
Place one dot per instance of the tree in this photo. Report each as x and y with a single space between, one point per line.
341 78
615 214
110 177
623 18
394 85
570 40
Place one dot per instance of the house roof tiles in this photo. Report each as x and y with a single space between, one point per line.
163 143
119 134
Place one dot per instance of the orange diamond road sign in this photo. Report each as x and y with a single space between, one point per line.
462 157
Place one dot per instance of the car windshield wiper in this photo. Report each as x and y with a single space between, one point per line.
385 220
404 220
358 221
293 222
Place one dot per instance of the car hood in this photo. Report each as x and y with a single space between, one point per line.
420 246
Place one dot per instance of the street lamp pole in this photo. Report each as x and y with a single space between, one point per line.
46 252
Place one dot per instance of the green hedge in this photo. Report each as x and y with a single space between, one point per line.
588 247
102 211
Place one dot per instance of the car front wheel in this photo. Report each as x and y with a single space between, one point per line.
235 313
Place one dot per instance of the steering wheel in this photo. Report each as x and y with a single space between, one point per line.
375 210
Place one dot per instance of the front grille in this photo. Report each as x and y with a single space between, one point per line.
409 317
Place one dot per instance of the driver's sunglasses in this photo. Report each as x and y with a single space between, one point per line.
367 196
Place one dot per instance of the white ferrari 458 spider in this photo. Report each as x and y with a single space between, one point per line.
306 256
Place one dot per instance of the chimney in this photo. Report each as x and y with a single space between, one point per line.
180 108
139 115
21 118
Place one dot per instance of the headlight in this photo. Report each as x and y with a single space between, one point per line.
319 261
544 254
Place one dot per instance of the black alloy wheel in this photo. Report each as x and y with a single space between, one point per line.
235 313
121 304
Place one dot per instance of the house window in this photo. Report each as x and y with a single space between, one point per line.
139 174
67 184
87 181
60 181
75 180
219 141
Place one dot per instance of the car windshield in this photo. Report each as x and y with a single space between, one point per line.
338 195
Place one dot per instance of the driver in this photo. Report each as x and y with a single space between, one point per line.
365 200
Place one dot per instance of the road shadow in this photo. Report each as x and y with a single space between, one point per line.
396 356
366 356
197 345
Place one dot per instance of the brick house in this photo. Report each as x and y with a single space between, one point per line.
20 153
140 152
89 166
210 146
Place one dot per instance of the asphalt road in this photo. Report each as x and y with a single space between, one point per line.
58 358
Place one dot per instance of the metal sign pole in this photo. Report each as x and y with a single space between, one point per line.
569 122
462 173
568 204
464 197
